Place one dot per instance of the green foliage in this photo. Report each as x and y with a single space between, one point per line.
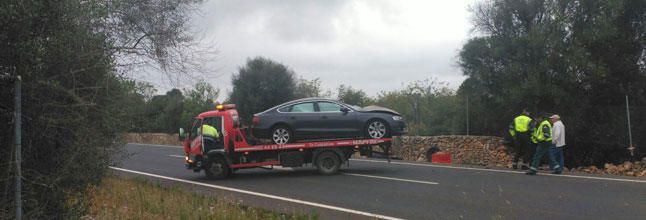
133 104
163 112
429 107
74 101
70 103
353 96
309 88
166 113
575 58
260 84
199 99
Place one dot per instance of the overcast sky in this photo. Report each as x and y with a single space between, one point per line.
370 45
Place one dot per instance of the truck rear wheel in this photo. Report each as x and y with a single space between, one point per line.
328 163
216 168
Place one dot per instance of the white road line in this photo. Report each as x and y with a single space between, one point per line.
390 178
155 145
178 156
373 215
505 171
441 166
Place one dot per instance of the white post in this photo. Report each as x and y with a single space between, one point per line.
631 148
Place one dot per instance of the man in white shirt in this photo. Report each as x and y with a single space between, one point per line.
558 139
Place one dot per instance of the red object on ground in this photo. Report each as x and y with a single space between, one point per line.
441 157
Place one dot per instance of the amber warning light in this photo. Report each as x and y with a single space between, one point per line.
221 107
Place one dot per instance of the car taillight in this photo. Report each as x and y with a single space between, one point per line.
256 120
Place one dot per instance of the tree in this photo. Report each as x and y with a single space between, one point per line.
353 96
575 58
309 88
197 100
75 98
153 34
261 84
164 112
137 95
428 106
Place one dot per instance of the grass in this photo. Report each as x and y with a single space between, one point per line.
123 198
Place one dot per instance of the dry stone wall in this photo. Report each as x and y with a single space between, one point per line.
472 150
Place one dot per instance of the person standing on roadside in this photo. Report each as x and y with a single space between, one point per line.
520 131
543 137
558 140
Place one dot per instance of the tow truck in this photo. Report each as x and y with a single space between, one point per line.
222 156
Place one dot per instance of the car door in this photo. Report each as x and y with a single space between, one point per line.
335 123
303 119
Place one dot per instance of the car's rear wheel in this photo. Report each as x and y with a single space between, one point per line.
377 129
281 135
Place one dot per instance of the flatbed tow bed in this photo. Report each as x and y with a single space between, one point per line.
302 146
222 156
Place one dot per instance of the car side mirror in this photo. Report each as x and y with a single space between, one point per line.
345 110
181 135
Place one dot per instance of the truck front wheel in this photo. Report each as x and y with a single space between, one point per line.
216 168
328 163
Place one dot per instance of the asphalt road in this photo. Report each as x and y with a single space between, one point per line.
401 190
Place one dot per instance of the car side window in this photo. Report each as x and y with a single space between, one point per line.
329 107
285 109
303 107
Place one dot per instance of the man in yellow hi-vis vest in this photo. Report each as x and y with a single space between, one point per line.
210 135
210 131
520 130
543 137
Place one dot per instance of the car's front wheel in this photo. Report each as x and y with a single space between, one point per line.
376 129
281 135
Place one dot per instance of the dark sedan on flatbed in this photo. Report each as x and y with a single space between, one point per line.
320 118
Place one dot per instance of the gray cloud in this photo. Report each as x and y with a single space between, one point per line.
370 45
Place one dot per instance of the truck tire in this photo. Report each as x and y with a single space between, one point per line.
281 134
376 128
216 168
328 163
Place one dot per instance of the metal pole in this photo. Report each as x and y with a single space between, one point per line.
467 115
417 118
18 120
631 148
